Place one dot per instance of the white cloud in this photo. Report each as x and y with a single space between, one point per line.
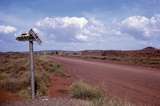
62 22
136 22
141 27
70 29
131 32
7 29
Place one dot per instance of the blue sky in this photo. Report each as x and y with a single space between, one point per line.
81 24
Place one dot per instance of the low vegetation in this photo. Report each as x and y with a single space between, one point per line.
95 96
85 91
152 61
15 74
14 77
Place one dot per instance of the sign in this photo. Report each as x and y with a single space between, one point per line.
31 36
34 35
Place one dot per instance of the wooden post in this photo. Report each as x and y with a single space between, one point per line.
32 69
31 36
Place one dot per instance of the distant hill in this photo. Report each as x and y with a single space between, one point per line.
150 49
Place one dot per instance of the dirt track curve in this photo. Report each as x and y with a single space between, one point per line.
134 83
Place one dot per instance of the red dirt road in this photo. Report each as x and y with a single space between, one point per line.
137 84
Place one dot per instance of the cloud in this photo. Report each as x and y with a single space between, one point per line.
7 29
75 33
7 37
128 33
141 27
7 33
70 29
62 22
81 29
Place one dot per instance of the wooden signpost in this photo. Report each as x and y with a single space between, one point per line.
31 36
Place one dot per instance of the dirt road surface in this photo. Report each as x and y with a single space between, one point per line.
137 84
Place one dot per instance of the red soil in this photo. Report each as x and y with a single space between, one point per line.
59 86
136 84
7 96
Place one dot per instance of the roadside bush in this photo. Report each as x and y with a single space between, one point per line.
95 95
42 84
82 90
15 74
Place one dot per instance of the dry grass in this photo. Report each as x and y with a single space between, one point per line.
81 90
147 61
14 77
15 74
94 95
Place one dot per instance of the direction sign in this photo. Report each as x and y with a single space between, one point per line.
31 36
25 37
32 33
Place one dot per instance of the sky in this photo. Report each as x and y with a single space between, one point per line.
81 24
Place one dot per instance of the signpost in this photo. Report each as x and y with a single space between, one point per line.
31 36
